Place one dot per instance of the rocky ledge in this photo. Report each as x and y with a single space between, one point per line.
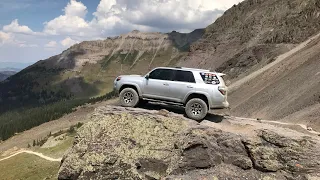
126 143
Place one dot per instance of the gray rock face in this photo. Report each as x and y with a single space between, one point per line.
125 143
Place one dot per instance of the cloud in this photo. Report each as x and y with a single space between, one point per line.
158 15
51 44
71 23
111 18
10 39
4 37
25 45
67 42
75 8
16 28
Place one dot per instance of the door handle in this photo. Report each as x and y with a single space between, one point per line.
189 86
166 84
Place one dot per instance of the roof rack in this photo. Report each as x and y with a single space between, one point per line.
194 69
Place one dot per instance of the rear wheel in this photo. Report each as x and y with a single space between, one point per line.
196 109
129 97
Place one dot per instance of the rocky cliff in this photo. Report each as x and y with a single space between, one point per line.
126 143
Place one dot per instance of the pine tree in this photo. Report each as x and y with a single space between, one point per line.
34 143
28 145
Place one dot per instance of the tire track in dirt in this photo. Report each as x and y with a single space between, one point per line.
33 153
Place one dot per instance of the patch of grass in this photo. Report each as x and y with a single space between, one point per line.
128 59
175 60
21 120
28 167
24 119
58 150
106 60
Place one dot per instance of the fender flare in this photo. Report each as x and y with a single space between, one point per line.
132 84
201 93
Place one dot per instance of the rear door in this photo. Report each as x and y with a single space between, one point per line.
183 82
157 86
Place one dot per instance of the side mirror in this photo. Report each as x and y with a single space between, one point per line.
147 77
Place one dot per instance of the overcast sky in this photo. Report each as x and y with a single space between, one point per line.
31 30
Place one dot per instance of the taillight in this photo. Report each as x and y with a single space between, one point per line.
222 90
118 78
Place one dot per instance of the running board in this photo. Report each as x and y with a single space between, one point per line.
165 102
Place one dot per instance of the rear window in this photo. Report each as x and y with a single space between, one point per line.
184 76
210 78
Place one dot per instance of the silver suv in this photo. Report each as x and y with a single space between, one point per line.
197 90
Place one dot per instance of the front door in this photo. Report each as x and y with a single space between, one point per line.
157 86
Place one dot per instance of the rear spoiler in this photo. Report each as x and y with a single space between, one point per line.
221 74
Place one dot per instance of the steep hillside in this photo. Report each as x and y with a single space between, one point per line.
251 34
288 90
89 68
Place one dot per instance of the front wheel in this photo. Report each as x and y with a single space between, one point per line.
196 109
129 97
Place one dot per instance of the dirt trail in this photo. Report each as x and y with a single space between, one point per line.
240 82
34 153
281 123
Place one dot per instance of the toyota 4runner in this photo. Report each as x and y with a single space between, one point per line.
197 90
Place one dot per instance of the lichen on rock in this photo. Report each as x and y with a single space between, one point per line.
128 143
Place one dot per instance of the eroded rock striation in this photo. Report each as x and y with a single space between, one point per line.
126 143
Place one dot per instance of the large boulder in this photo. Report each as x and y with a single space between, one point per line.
127 143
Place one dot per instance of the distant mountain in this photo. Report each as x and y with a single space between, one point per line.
10 69
14 65
5 74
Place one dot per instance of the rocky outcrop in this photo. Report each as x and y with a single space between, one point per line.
126 143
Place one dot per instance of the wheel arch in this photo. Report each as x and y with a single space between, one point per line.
197 95
133 86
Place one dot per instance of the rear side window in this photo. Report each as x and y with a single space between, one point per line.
161 74
184 76
210 78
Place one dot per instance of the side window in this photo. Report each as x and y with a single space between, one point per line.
210 78
184 76
161 74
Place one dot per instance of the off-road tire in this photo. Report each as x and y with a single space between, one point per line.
129 97
196 109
